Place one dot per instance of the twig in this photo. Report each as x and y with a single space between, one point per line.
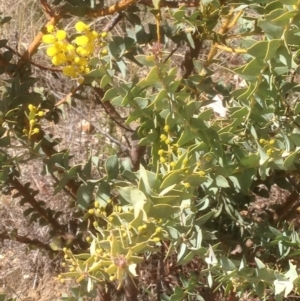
29 198
112 139
33 63
119 6
111 111
113 22
65 98
25 240
35 279
171 4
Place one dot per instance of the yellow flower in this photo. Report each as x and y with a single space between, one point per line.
70 56
272 141
35 131
31 107
50 28
70 47
52 51
82 40
81 61
80 26
104 52
82 51
61 35
158 230
201 173
162 159
187 185
90 47
173 164
41 113
163 137
59 59
269 152
104 34
167 141
61 46
48 39
166 128
92 35
262 141
161 152
69 71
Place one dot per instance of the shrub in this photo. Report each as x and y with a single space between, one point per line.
190 177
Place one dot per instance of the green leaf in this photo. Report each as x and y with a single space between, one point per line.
251 160
152 79
240 113
146 60
110 94
85 195
204 218
112 167
265 50
162 211
253 68
288 162
221 181
105 80
174 177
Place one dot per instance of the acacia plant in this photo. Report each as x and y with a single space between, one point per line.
184 193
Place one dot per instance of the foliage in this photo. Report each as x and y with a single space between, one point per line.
201 172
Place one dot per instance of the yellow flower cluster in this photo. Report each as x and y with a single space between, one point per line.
268 146
33 116
74 56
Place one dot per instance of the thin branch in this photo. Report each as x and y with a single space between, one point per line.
230 49
229 22
119 6
33 63
111 111
172 4
33 47
113 22
29 198
25 240
112 139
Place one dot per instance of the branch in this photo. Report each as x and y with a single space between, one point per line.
33 63
122 5
25 240
187 65
113 22
229 22
27 195
47 9
111 111
112 139
172 4
33 47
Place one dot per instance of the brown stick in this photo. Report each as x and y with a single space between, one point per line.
25 240
27 195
